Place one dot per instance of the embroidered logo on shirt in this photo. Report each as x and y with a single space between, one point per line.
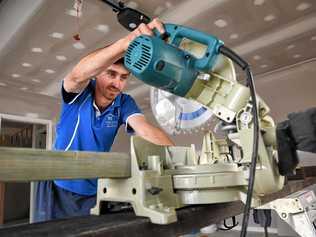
110 121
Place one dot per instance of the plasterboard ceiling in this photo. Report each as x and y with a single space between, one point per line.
37 48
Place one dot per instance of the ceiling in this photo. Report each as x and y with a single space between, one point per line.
37 48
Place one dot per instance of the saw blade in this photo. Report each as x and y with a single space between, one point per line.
176 114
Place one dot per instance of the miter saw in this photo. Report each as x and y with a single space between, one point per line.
188 65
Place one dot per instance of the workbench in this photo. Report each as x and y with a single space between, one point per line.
122 224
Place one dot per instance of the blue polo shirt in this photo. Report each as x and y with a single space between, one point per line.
82 127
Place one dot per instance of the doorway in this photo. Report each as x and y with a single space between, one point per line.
15 131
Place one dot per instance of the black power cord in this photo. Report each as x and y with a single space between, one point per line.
246 67
128 17
263 217
229 227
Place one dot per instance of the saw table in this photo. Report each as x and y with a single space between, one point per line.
127 224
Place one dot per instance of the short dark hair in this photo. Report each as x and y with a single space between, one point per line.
119 61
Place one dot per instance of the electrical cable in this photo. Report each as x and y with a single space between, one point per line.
246 67
267 223
229 227
116 6
266 233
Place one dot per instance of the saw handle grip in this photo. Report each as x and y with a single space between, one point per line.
176 33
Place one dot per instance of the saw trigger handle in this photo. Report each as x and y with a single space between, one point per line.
177 33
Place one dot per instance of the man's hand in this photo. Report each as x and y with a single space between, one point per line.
143 29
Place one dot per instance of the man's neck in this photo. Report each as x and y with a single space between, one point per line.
102 102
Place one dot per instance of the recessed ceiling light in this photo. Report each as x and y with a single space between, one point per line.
146 98
291 46
297 56
24 88
16 75
132 4
49 71
258 2
57 35
269 17
220 23
26 65
158 10
36 80
61 57
303 6
43 93
37 50
263 65
79 45
3 84
103 28
168 4
73 12
256 57
313 38
234 36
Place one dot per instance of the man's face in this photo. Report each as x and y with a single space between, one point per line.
112 81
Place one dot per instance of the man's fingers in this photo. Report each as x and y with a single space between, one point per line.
137 32
156 23
144 29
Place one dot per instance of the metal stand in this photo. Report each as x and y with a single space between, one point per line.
298 210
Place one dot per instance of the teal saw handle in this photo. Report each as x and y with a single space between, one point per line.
176 33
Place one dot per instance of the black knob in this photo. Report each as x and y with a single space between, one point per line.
154 190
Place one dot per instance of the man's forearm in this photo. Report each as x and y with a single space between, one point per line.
97 61
156 136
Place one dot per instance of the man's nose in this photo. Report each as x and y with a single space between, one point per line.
116 82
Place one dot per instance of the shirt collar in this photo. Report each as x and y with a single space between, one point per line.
115 103
117 100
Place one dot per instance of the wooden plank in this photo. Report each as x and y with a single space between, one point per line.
126 224
20 164
2 188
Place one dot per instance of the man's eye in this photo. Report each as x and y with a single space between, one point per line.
111 74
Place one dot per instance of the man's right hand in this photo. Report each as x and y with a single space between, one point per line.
143 29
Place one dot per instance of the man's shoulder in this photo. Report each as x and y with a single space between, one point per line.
126 101
126 97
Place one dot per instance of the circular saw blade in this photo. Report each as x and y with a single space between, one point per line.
176 114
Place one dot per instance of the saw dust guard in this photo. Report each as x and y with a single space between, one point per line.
166 178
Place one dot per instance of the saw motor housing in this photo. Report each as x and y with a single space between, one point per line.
166 178
166 66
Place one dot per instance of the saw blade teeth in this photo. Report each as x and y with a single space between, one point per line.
178 115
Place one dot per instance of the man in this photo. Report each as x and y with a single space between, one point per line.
92 113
